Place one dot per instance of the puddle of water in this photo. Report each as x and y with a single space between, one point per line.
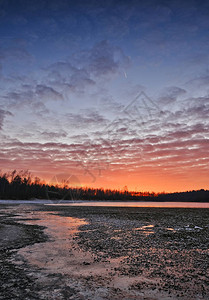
190 228
197 227
171 229
61 254
115 238
146 229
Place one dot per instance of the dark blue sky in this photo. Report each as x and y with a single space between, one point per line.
69 69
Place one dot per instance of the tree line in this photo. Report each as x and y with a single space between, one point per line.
21 185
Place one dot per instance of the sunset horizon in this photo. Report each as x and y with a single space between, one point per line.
77 181
113 93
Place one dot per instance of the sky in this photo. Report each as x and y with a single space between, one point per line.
111 94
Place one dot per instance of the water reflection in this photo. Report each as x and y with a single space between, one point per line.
171 229
62 254
146 229
59 253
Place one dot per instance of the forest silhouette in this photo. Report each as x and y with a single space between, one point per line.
22 186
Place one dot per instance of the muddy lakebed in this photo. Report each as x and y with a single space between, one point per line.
57 252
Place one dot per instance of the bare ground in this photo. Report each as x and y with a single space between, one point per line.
54 252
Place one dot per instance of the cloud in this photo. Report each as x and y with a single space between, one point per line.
25 99
50 135
86 68
199 82
3 114
167 143
108 104
198 108
105 59
85 119
44 92
31 96
68 78
170 94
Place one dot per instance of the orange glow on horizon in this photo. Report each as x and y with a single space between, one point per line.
157 182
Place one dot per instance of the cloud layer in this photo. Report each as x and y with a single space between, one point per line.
71 77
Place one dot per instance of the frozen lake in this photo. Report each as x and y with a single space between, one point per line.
109 203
